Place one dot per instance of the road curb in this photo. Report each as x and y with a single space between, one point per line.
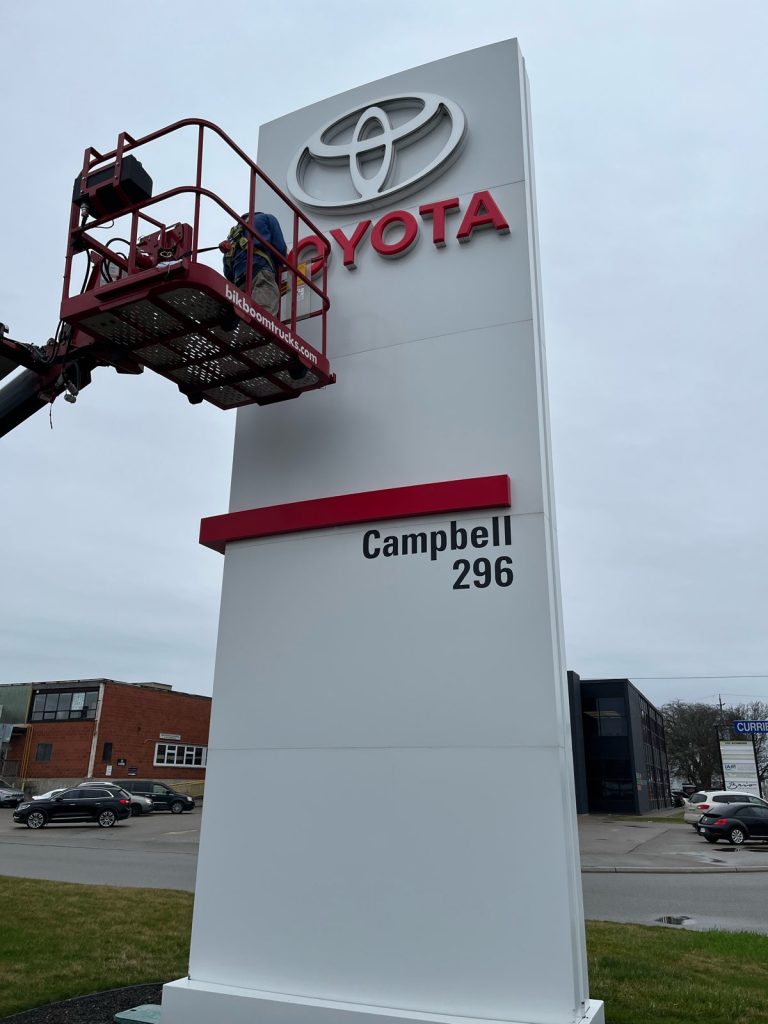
715 869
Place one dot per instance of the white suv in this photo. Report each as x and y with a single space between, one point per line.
696 804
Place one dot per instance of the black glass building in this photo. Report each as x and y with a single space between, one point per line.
619 749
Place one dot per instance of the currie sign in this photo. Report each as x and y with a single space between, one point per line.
390 660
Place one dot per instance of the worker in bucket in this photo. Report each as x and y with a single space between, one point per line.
265 290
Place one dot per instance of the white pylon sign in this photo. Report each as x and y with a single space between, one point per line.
389 825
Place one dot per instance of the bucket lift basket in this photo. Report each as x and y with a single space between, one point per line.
158 307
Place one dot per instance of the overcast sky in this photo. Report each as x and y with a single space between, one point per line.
651 159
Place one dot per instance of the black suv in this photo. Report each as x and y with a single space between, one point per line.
83 804
163 797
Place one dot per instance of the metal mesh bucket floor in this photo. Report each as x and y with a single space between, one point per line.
198 341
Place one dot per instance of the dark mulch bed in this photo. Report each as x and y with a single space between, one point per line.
99 1008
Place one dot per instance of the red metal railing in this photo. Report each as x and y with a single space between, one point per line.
80 237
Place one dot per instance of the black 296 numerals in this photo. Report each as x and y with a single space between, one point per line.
485 572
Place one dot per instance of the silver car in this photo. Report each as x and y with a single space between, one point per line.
10 796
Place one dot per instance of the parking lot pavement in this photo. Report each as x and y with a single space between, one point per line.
614 844
691 901
159 851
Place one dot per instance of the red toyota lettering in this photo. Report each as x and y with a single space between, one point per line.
482 212
316 248
437 212
404 243
349 245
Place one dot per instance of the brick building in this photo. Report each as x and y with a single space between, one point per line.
78 728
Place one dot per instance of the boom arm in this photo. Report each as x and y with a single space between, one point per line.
47 373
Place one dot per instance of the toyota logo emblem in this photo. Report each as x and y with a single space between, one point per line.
353 160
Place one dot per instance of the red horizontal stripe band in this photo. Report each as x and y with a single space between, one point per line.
367 506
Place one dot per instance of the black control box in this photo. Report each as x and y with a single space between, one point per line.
106 194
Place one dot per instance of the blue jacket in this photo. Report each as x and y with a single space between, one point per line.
234 262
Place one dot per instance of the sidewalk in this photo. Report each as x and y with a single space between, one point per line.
637 845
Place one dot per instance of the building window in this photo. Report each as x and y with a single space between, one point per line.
106 753
44 751
180 756
604 716
64 707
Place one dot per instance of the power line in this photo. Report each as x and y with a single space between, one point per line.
750 695
745 676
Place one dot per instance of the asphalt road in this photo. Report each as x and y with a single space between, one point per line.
159 851
730 902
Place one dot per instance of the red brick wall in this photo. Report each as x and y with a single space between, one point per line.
132 718
71 743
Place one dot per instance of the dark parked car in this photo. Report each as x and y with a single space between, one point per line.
734 822
163 797
103 806
10 796
139 804
705 800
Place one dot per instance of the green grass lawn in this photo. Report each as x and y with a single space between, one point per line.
661 819
59 940
670 976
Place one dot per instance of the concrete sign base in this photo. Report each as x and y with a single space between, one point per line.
198 1002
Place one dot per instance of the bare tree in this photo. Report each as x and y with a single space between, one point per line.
692 746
